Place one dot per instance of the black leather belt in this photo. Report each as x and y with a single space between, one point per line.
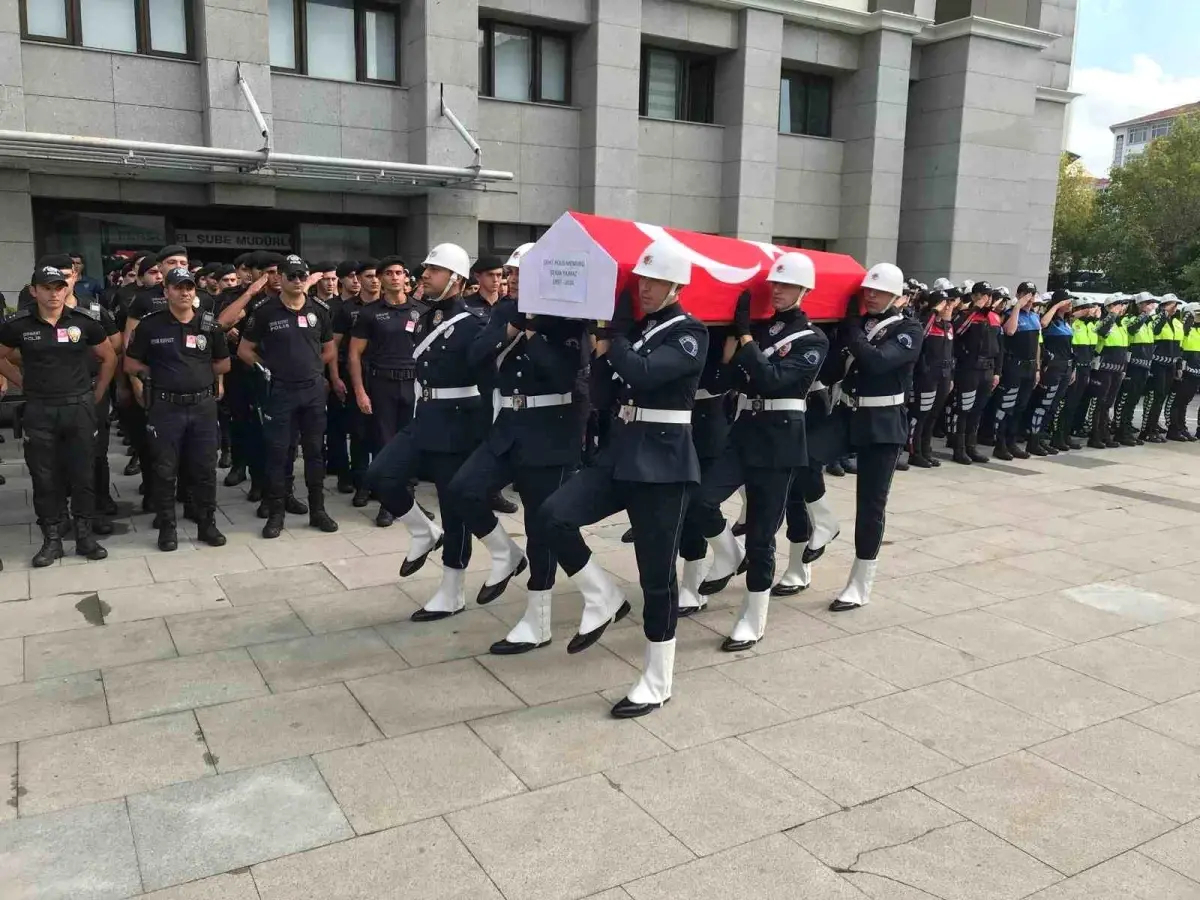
183 399
394 374
74 399
295 385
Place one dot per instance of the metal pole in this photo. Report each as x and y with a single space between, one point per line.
254 110
461 129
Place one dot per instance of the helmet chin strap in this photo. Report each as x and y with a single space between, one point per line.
450 282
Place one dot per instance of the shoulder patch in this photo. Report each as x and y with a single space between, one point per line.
812 357
22 313
689 344
90 313
321 303
905 340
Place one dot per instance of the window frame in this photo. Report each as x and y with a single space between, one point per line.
1159 129
689 63
1143 130
361 8
487 80
141 17
808 79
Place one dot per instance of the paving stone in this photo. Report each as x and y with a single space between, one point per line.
76 854
933 594
1179 719
354 609
1153 770
1141 670
569 840
1005 581
8 776
871 617
324 658
1130 876
387 783
719 795
263 586
840 839
1054 693
205 562
1135 602
967 726
806 681
712 707
1177 584
769 867
902 657
547 744
88 577
985 636
260 623
14 586
151 601
205 679
458 637
312 549
46 614
417 699
848 756
373 570
1069 567
787 627
557 675
1180 637
12 661
53 706
232 886
112 761
251 732
424 861
53 655
214 825
1060 615
698 639
1179 850
1053 815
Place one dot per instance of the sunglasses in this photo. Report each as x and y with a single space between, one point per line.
298 276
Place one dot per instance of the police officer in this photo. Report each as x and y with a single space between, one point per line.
292 339
337 433
533 444
933 376
1108 370
1189 382
1022 371
444 431
1057 373
978 362
178 353
55 343
1168 337
1140 327
382 341
362 448
883 347
1069 416
771 365
646 468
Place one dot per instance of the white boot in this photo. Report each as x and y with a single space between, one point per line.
653 689
858 589
798 575
751 624
532 632
507 560
694 571
728 555
449 599
424 537
603 604
825 528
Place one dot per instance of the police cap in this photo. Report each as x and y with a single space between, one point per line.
487 264
347 268
49 275
1060 295
294 268
179 276
1026 287
55 261
981 287
392 260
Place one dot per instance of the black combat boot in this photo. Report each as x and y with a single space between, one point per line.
51 549
168 537
208 531
274 525
235 476
317 517
85 544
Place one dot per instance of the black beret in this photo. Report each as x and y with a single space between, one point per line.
55 261
347 267
392 260
364 264
325 265
487 264
172 250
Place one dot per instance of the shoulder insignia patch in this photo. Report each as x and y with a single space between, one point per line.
776 328
90 313
905 341
689 344
812 357
321 303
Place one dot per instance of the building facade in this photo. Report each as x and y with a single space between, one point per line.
1131 138
921 131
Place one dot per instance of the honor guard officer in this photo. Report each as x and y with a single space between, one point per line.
292 339
1140 327
978 362
445 430
533 444
884 346
178 353
337 434
381 364
646 468
1021 372
771 365
56 343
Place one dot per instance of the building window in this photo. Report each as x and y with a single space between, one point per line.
501 238
152 27
805 104
1120 151
677 85
518 63
794 243
343 40
1137 135
1162 129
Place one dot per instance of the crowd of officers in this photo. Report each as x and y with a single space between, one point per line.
385 377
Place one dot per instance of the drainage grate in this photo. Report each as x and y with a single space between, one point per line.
1147 497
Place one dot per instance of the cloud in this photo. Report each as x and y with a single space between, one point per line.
1110 97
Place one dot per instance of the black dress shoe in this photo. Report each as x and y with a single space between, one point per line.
501 504
581 642
716 585
384 519
738 529
787 590
684 611
627 709
488 593
427 615
729 645
409 566
513 648
842 606
427 513
168 540
235 476
627 537
836 470
811 556
919 461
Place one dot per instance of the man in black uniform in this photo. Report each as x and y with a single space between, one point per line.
979 360
337 429
445 430
362 448
1022 331
771 365
55 343
646 468
178 353
381 364
292 339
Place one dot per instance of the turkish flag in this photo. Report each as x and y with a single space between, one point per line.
583 262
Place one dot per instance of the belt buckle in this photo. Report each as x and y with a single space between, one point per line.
519 401
426 393
757 405
627 414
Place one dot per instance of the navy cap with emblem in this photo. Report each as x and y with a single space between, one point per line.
49 275
294 268
179 276
981 287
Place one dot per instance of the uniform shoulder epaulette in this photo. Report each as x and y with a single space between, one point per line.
153 312
321 303
23 313
477 313
90 313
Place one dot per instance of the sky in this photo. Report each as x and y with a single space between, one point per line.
1132 57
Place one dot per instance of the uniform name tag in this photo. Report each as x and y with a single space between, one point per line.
410 325
190 341
61 335
302 321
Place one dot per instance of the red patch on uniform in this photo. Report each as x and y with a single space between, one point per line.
785 349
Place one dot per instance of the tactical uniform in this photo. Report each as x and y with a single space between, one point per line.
978 357
932 378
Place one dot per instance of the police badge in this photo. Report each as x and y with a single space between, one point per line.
905 341
689 344
776 328
437 317
201 342
414 314
74 334
312 320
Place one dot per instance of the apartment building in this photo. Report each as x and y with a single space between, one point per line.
1131 138
921 131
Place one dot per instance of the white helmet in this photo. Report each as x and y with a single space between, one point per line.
662 261
943 284
885 277
1116 298
1191 307
794 268
514 261
966 287
452 257
1144 297
1169 298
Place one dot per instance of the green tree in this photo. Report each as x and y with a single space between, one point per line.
1148 221
1074 217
